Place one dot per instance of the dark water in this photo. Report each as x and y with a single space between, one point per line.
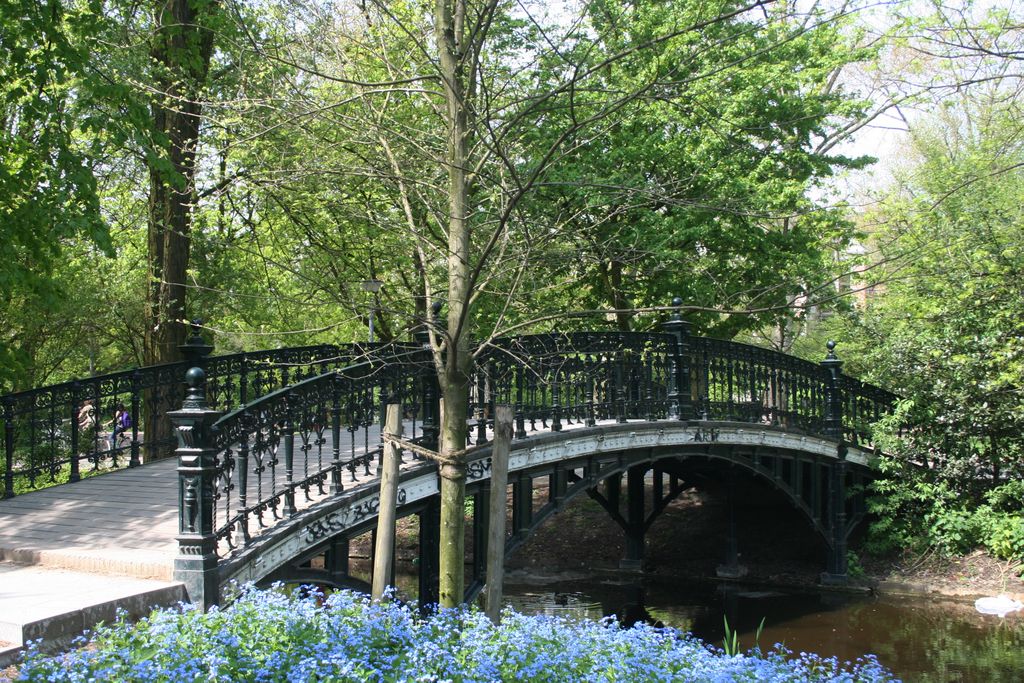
919 639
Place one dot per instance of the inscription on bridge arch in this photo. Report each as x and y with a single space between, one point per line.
335 522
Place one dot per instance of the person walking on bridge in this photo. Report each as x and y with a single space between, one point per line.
122 422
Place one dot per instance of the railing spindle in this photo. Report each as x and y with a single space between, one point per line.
8 447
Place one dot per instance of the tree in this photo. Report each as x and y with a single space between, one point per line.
946 334
48 194
471 152
701 187
492 76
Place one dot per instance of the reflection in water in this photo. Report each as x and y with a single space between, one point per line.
555 604
919 639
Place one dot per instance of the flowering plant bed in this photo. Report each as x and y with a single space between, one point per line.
270 636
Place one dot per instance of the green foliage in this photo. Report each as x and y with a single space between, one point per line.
912 509
853 566
48 190
664 167
731 641
946 333
700 187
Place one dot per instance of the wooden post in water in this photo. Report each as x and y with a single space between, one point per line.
498 510
384 550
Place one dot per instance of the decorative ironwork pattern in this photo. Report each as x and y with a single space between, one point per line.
555 380
56 434
296 445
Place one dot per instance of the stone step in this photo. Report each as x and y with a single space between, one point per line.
58 605
118 562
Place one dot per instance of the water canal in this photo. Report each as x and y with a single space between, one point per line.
919 639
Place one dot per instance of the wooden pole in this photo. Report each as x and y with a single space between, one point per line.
498 509
384 550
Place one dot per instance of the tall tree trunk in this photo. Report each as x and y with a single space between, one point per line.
454 367
181 51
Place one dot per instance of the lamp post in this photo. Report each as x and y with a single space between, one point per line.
373 286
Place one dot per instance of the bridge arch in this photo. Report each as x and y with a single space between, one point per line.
575 462
783 484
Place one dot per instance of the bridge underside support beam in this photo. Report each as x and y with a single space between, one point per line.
336 558
635 521
661 500
522 506
836 563
430 540
731 568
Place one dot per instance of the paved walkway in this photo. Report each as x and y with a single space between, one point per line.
120 522
70 555
125 522
57 605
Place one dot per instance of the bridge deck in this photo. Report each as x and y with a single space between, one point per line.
123 522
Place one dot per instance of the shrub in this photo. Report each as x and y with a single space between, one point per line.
913 511
268 636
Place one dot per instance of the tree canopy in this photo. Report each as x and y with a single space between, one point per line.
253 163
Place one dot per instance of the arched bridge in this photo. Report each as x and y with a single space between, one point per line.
267 483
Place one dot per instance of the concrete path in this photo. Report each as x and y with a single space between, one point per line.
57 605
120 522
70 555
125 522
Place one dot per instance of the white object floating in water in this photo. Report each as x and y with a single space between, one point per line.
1001 605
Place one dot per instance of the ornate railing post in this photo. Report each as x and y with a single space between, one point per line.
590 368
336 485
620 386
243 382
195 348
484 398
833 396
520 408
288 441
196 563
8 447
133 460
837 561
556 399
680 402
76 432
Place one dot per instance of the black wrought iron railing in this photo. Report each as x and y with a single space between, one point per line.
308 440
558 379
552 380
280 452
576 378
62 432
